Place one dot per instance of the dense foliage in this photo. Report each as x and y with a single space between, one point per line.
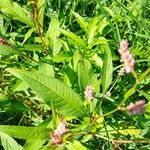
74 74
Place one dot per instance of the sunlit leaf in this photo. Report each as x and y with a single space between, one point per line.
52 91
107 71
9 143
16 12
22 132
7 50
86 75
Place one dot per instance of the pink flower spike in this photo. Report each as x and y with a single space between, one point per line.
137 108
126 56
124 45
89 93
57 134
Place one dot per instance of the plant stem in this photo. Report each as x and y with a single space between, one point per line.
38 26
129 92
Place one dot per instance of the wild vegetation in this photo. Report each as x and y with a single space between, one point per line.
74 74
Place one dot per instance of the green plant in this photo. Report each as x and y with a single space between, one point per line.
61 81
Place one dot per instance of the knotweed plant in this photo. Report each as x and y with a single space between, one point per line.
59 82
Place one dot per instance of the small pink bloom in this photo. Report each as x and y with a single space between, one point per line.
57 134
89 93
137 108
126 56
124 45
56 138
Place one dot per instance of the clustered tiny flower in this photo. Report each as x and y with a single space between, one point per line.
136 108
89 93
126 56
57 134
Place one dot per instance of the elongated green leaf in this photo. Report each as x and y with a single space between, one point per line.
86 75
34 144
31 47
74 37
147 96
22 132
62 57
107 71
81 21
52 91
28 34
9 143
16 12
7 50
52 36
92 28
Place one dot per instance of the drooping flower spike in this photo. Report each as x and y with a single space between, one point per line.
136 108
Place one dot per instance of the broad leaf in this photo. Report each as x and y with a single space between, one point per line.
92 29
107 71
22 132
9 143
52 36
74 37
86 75
52 91
16 12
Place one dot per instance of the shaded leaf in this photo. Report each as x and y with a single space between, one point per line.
13 106
41 7
81 21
